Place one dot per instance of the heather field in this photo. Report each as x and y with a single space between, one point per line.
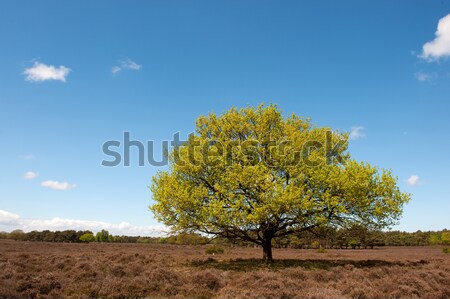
66 270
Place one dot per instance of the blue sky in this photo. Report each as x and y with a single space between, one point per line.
74 75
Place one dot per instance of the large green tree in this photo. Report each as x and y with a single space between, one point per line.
254 175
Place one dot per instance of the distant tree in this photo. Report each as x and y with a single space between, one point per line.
354 243
70 236
102 236
315 244
364 236
162 241
325 235
111 238
80 233
33 236
59 236
341 239
296 242
142 240
17 234
283 242
254 175
48 236
420 238
434 239
190 239
445 237
88 237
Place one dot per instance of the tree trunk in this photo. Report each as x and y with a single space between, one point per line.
267 250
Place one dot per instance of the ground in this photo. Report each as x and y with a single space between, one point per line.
63 270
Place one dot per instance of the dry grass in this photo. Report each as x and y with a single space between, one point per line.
56 270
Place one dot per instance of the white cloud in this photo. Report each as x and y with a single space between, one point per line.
7 217
115 69
131 65
413 180
42 72
425 77
12 221
126 64
57 185
30 175
440 46
357 133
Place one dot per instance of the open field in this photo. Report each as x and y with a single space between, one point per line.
66 270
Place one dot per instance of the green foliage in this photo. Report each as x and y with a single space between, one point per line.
439 238
142 240
326 237
295 242
17 234
254 175
321 250
87 238
214 249
70 236
434 239
354 243
103 236
185 239
446 250
315 244
191 239
445 238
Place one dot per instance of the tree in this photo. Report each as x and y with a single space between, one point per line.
434 238
254 175
17 234
88 237
102 236
445 237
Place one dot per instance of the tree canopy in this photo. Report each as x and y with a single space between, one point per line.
255 175
88 237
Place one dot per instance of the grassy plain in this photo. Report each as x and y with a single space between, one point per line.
68 270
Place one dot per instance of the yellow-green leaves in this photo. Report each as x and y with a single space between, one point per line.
251 172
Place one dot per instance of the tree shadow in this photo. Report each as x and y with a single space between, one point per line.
245 265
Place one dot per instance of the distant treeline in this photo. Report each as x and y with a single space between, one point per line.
355 237
361 237
72 236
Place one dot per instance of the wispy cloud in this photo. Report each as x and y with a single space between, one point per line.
413 180
12 221
30 175
425 77
57 185
440 46
42 72
116 69
357 133
126 64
